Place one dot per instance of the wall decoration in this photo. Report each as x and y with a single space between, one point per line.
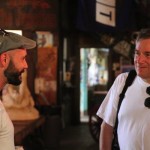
123 48
46 68
44 39
96 16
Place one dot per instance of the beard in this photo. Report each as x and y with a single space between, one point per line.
12 74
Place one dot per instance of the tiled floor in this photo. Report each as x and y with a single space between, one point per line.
77 138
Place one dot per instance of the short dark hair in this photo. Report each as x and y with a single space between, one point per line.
143 34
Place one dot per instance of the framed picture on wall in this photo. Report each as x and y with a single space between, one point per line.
44 39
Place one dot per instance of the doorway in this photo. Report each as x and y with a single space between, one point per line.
93 77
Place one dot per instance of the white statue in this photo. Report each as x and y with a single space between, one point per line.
18 101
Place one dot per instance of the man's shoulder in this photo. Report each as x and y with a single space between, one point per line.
127 77
122 76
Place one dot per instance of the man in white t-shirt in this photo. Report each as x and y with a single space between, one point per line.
13 51
134 116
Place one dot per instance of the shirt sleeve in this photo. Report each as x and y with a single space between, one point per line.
108 108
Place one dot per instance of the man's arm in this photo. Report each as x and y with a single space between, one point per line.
106 136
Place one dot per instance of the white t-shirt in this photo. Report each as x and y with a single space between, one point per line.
134 117
6 130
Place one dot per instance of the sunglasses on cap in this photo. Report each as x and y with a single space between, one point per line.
3 32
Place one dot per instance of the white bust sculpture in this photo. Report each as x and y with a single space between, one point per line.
18 101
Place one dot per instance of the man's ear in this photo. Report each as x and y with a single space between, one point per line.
3 59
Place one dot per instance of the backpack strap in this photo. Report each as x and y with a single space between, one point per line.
128 82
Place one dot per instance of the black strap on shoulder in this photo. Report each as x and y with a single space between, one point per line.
128 82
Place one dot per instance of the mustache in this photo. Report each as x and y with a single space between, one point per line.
15 74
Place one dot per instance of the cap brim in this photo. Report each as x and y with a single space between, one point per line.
24 42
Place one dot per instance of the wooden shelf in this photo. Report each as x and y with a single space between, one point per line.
24 128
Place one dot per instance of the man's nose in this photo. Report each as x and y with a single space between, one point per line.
25 65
